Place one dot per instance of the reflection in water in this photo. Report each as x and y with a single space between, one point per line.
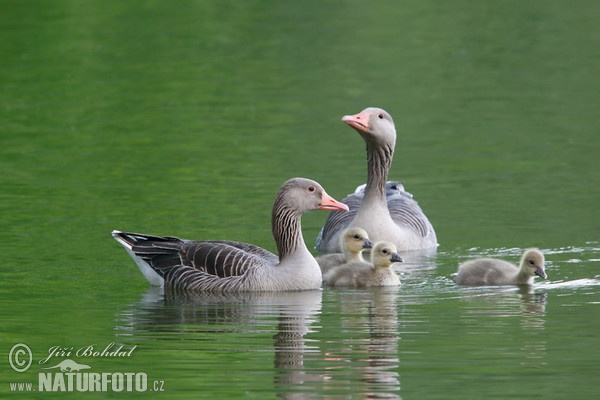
533 321
505 301
374 374
290 347
381 374
170 311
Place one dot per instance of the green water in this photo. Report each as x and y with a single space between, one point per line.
184 118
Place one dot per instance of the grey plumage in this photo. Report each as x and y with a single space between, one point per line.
378 272
353 242
228 266
491 271
383 208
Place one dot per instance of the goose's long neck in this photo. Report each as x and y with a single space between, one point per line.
287 230
379 161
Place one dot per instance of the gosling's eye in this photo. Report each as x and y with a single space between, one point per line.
530 262
357 237
380 116
384 251
311 189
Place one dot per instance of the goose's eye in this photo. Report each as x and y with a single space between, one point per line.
380 116
384 251
357 237
530 262
311 189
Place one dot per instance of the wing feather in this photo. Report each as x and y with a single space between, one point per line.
215 258
226 258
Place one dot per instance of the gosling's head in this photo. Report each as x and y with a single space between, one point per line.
355 240
533 262
384 254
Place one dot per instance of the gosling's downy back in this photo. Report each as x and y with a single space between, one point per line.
492 271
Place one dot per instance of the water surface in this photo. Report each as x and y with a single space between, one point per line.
184 120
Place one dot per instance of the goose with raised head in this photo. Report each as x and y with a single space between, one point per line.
228 266
354 242
363 274
493 272
385 212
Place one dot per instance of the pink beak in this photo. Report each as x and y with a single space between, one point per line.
329 203
359 121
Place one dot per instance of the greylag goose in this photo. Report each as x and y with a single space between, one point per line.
354 241
361 274
227 266
385 212
491 271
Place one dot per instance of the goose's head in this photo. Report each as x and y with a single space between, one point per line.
304 195
375 125
355 240
384 254
533 262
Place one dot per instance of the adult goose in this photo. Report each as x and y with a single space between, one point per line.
362 274
354 241
491 271
227 266
386 211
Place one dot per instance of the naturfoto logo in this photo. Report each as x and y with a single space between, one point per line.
68 375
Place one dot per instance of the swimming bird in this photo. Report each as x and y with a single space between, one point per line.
491 271
385 213
354 241
362 274
228 266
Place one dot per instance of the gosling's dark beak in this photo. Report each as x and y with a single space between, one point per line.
396 258
539 271
367 244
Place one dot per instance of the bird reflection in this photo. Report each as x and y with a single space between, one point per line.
161 310
378 363
381 375
508 301
533 322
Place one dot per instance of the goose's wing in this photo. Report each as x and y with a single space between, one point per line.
406 212
225 258
168 254
217 266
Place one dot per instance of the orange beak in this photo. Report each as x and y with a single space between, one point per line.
359 121
329 203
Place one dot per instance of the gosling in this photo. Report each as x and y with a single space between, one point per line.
491 271
353 242
362 274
